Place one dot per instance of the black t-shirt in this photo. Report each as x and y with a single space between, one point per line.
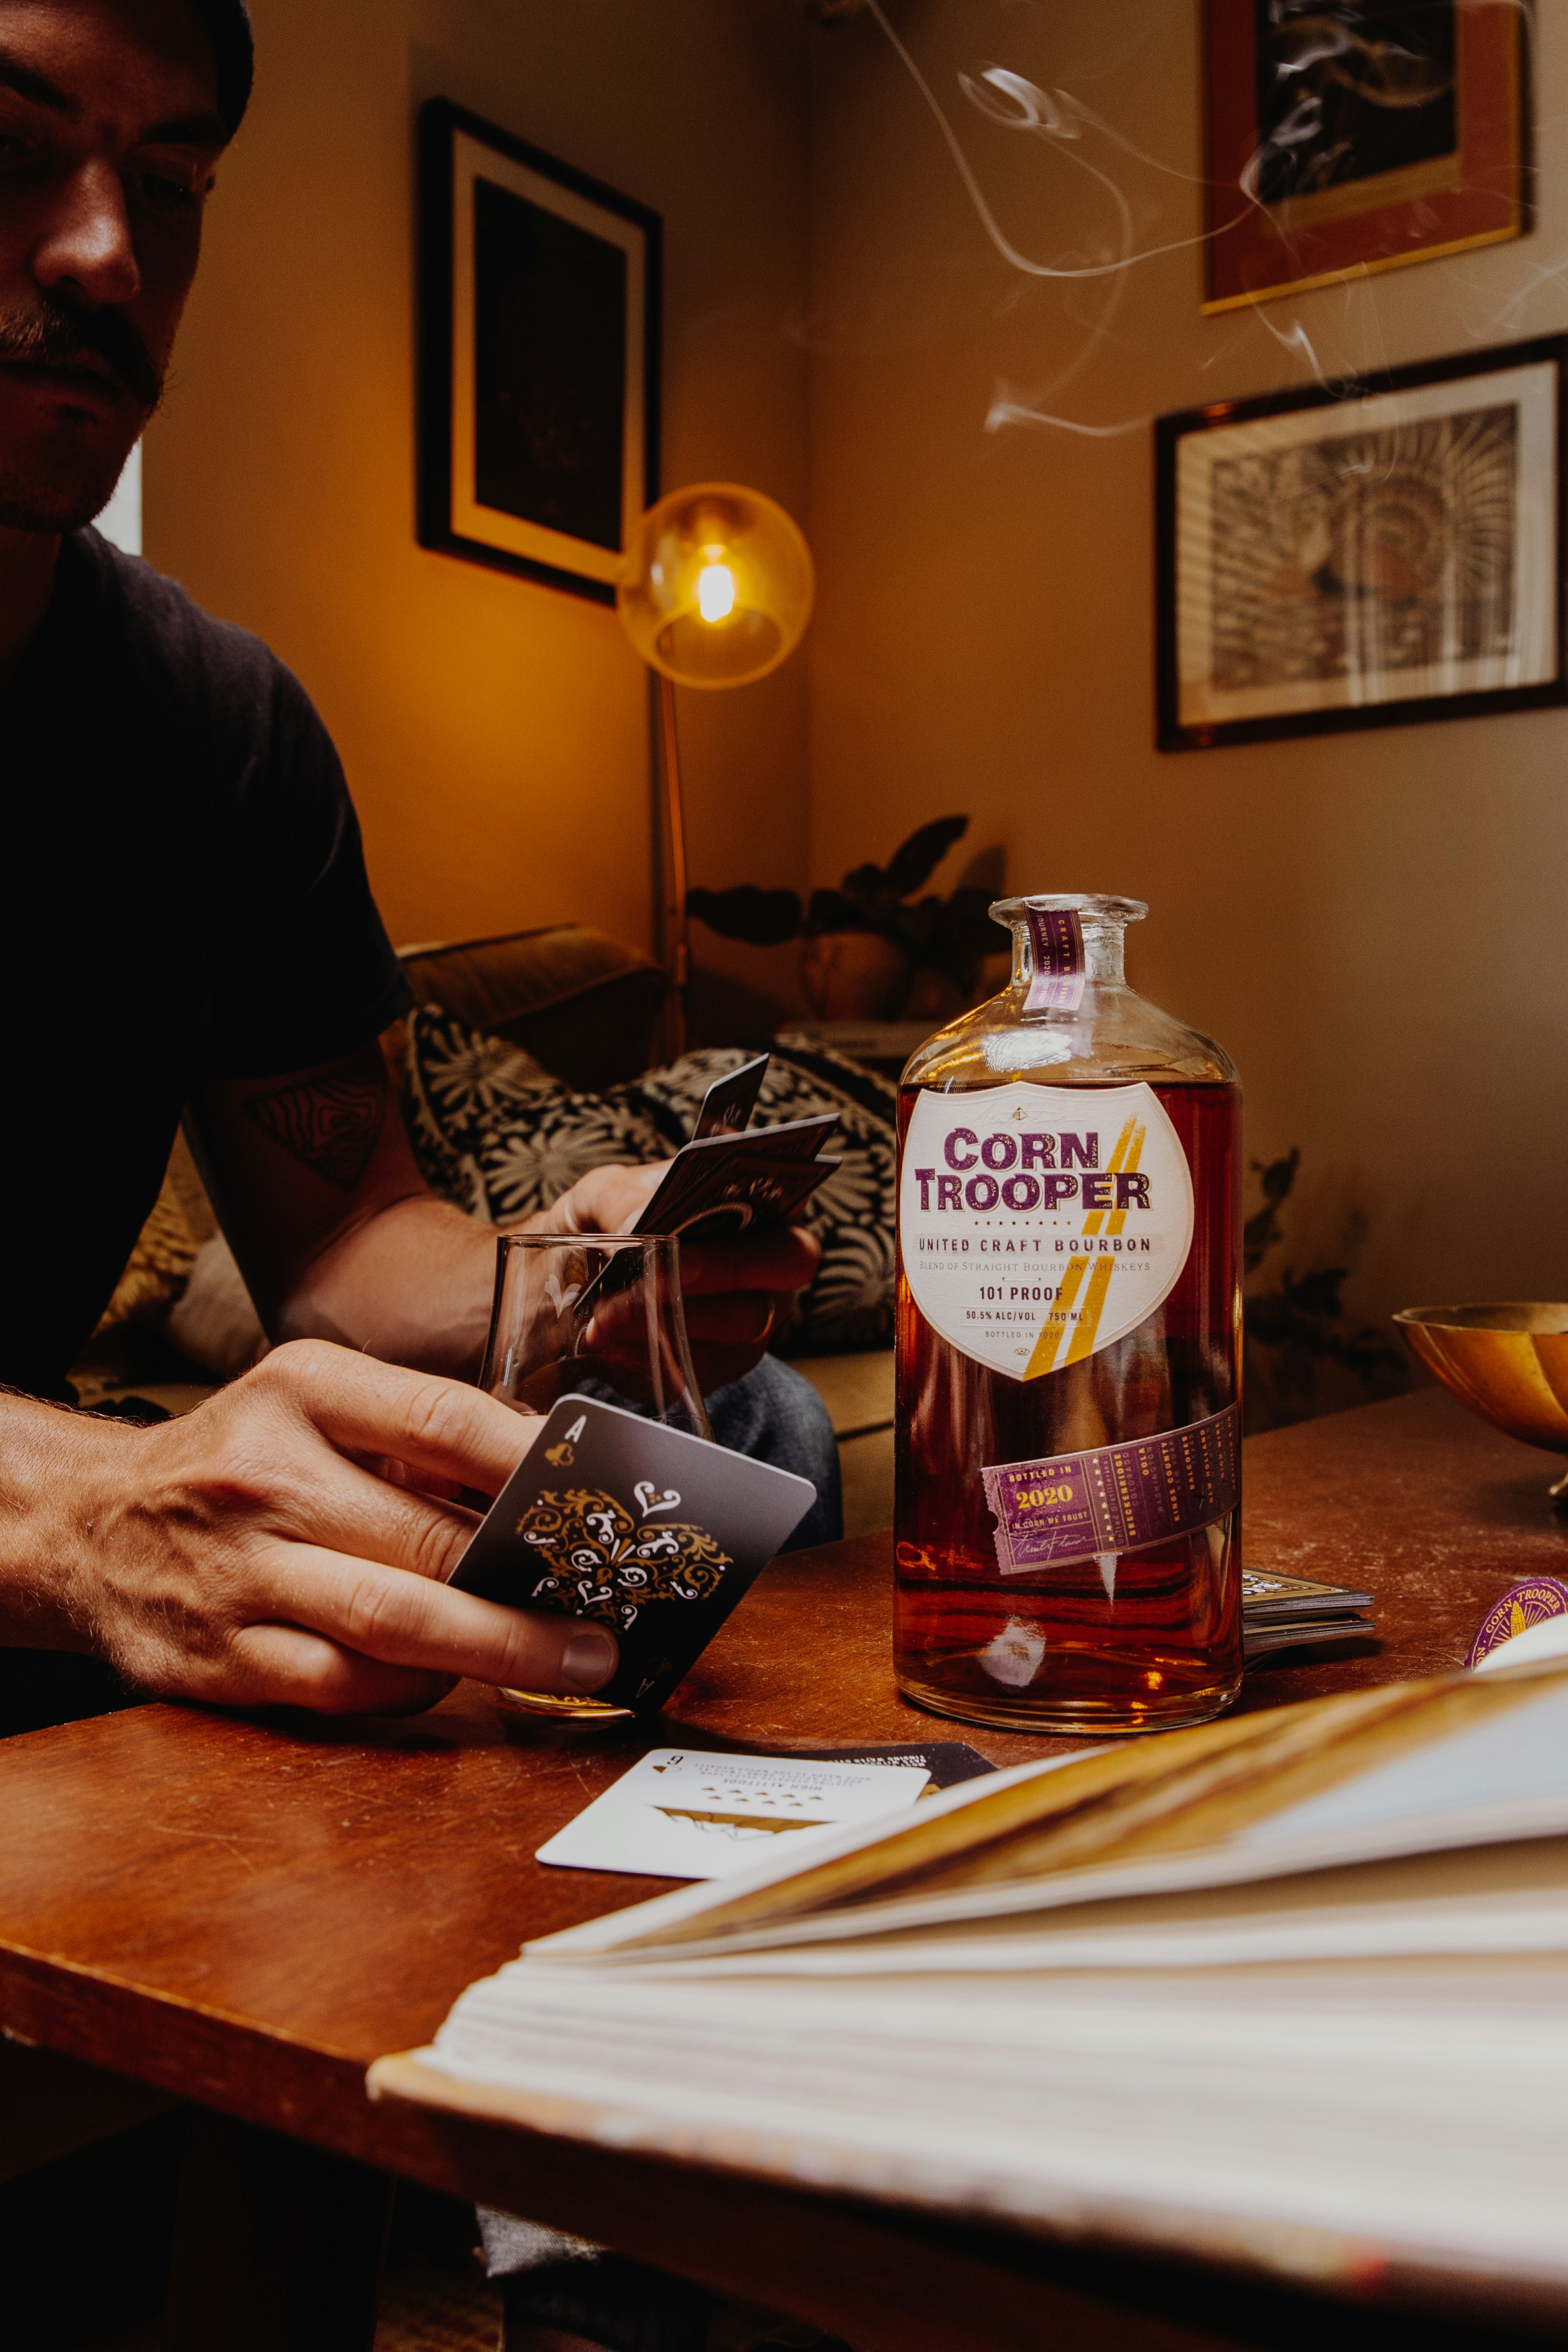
182 897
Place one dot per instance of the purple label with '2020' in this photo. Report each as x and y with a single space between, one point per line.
1115 1499
1056 943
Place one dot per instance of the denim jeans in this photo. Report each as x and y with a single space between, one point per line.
776 1415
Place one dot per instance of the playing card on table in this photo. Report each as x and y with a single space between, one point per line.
943 1763
1267 1596
639 1527
1302 1633
1293 1613
693 1813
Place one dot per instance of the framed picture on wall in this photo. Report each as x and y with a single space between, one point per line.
1346 136
538 358
1382 553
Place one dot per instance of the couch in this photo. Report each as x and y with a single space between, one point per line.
583 1007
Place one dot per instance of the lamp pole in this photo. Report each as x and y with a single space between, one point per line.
675 939
715 590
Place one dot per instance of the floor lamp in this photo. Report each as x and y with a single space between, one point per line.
716 591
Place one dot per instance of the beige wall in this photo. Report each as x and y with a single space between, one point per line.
494 732
1372 923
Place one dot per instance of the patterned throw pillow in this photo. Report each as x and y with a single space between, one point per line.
493 1131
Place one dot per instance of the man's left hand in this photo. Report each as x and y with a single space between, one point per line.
735 1293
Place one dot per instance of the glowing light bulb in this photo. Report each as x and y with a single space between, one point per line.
716 592
716 585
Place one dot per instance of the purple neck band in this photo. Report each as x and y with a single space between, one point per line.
1056 939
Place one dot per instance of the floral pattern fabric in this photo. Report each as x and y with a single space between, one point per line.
495 1132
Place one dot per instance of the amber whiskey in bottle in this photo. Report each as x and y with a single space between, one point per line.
1068 1509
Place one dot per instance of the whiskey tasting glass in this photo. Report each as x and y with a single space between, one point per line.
599 1315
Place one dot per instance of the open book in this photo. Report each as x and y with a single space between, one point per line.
1292 1987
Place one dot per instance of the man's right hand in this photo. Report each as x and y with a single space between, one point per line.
246 1556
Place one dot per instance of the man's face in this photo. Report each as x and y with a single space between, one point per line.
109 134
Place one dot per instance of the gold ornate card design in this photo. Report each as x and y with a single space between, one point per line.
602 1561
653 1531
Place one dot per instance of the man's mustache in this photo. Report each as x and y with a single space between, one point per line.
53 335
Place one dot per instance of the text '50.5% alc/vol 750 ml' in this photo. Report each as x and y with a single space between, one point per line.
1068 1513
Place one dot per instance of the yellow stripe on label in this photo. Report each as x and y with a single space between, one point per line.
1132 1135
1055 1323
1082 1341
1118 1217
1080 1336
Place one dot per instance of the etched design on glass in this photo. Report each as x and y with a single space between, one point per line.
598 1560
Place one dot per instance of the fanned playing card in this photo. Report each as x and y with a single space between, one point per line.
642 1529
730 1178
730 1102
731 1184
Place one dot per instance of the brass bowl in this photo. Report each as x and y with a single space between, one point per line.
1507 1362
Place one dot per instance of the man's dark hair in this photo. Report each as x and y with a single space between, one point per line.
228 29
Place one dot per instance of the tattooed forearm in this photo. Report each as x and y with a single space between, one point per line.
331 1126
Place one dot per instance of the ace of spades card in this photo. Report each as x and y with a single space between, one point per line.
644 1530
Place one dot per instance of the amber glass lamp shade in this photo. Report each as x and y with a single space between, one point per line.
717 586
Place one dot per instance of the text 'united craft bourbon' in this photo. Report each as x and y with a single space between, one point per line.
1068 1513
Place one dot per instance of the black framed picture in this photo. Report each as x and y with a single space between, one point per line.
538 358
1386 552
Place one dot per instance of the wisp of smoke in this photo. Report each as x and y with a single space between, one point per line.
1060 119
1031 111
1006 409
1063 123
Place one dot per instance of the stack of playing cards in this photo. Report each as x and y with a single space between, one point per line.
1283 1612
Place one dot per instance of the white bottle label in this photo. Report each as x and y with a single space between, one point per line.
1039 1223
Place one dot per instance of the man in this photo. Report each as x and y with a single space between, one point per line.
184 909
188 928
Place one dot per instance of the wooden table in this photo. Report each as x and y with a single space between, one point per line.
244 1916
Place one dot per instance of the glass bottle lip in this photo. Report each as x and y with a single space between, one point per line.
1091 904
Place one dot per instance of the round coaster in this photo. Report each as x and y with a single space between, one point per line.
1525 1605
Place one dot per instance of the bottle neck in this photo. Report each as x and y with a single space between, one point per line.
1098 954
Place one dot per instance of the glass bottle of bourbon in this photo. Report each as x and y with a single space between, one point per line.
1068 1516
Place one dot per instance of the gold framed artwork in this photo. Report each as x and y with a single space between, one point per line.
1349 136
1388 552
